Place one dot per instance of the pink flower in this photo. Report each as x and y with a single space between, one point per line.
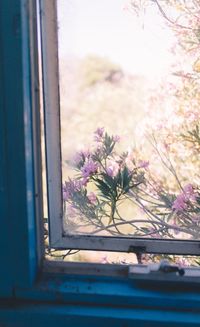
81 156
112 168
77 159
166 146
189 192
180 203
92 197
70 187
116 138
66 195
99 134
188 188
143 164
89 168
182 199
182 262
99 150
84 181
99 131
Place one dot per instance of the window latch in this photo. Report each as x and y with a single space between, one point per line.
165 267
160 269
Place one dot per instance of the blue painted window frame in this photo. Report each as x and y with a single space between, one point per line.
29 297
18 230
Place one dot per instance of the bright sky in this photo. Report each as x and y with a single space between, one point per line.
102 27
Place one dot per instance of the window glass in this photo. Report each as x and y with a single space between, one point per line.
129 117
125 111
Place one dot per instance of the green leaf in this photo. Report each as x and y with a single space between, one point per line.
109 144
167 199
110 181
103 187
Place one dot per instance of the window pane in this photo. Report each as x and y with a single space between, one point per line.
129 119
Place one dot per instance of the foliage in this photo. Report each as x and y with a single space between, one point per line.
106 180
97 69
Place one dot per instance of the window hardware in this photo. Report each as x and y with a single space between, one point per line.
165 267
137 249
160 269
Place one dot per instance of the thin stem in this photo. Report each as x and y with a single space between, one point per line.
169 19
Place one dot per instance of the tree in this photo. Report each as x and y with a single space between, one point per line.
97 69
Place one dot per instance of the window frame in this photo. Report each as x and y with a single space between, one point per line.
18 192
59 239
27 292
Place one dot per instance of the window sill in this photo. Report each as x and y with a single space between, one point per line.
23 315
57 299
119 291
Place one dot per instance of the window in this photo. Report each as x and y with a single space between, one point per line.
29 295
100 207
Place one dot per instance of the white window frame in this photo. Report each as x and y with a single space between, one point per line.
54 172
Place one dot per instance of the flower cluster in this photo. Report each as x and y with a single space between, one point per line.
103 181
185 198
109 184
89 168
